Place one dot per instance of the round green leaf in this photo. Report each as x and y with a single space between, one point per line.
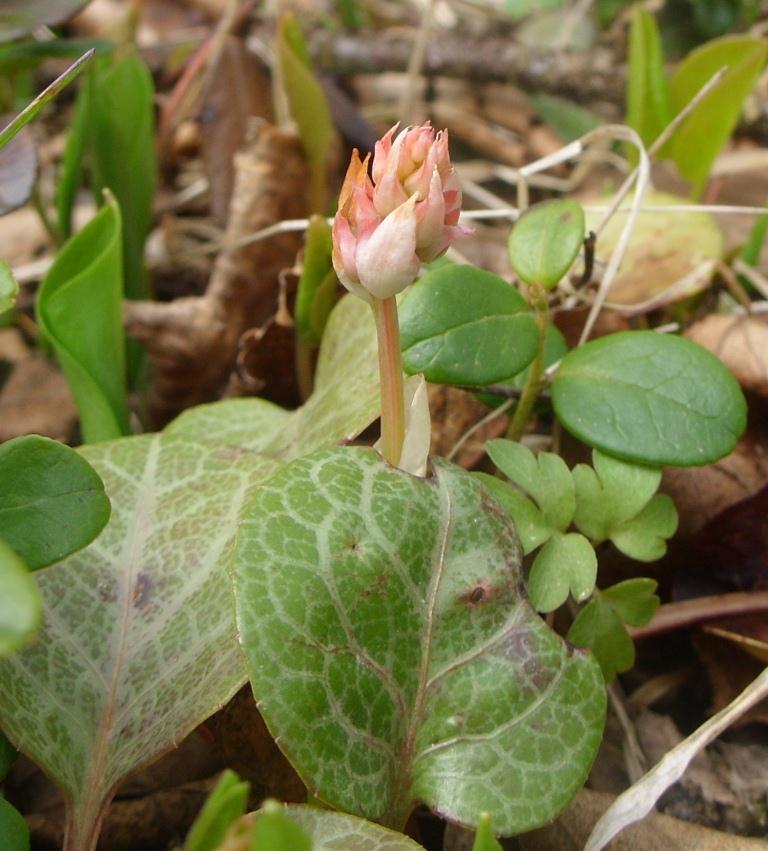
20 606
52 502
546 240
462 325
13 829
652 398
392 653
566 563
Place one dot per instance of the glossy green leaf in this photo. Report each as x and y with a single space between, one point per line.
9 287
307 105
651 398
226 803
52 502
138 644
13 829
565 564
648 101
531 526
644 537
274 830
120 138
19 602
316 293
392 654
555 348
545 477
79 308
610 493
701 137
598 627
633 600
546 240
484 838
463 325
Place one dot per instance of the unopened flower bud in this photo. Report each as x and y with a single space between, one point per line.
408 214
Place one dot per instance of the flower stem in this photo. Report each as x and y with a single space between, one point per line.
533 383
391 378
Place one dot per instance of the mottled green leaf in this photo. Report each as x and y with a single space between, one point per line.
633 600
392 654
79 308
19 602
545 477
138 640
120 139
225 804
13 829
565 564
345 401
274 830
9 287
546 240
651 398
531 526
484 838
307 105
644 537
598 627
316 293
700 138
610 493
52 502
648 102
463 325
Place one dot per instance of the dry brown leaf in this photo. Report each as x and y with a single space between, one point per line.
12 346
36 399
655 833
237 92
741 343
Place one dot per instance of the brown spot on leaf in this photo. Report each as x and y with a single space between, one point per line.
141 591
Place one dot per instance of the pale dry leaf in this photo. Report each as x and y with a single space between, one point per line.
639 799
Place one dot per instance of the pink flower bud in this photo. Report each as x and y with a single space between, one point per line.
407 214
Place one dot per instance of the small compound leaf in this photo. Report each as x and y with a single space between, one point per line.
546 240
484 838
566 563
633 600
530 525
598 627
20 606
13 829
79 308
52 502
463 325
545 477
651 398
225 804
645 536
335 559
700 138
9 287
611 494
